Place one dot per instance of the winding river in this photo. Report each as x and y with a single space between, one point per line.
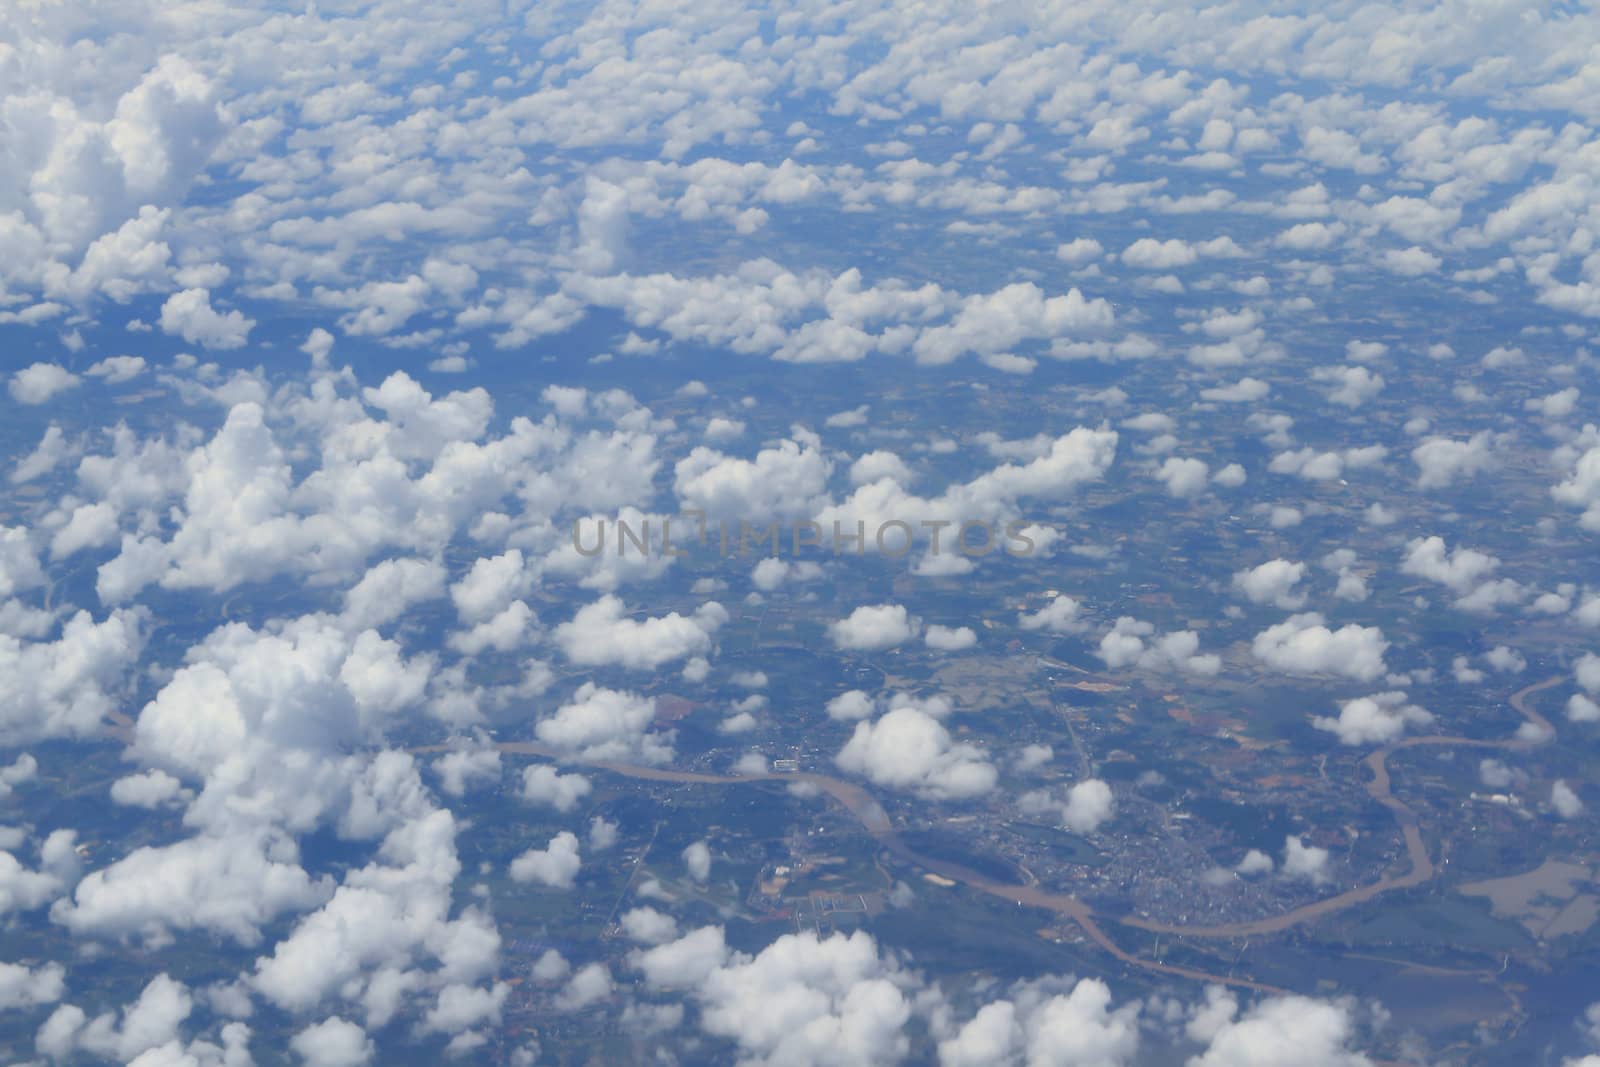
875 820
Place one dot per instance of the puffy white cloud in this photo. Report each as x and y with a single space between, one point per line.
1303 861
649 926
1411 262
685 963
152 789
151 1022
1147 253
22 769
334 1042
1581 487
38 383
600 633
25 889
366 944
116 370
1376 719
1301 644
490 586
508 630
468 767
1131 642
1290 1031
30 987
697 861
66 687
1466 571
1255 862
950 638
909 749
999 321
1317 466
1272 582
554 866
1058 617
801 1001
1083 808
1352 386
1079 251
230 886
873 627
587 986
851 705
1556 405
1565 800
1079 456
1034 1027
1443 461
189 315
1183 477
606 724
246 701
51 450
389 589
543 784
91 526
786 481
1246 390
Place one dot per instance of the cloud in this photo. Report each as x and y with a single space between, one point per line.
1272 582
1465 571
950 638
556 865
649 926
1131 642
153 789
1291 1031
470 766
23 987
116 370
542 784
1376 719
1303 861
1058 617
997 322
1034 1027
1246 390
1086 806
909 749
601 634
334 1042
1443 461
66 687
39 383
1303 645
1183 477
1353 386
389 589
230 886
1413 262
802 1000
872 628
189 315
1147 253
786 481
606 724
697 861
850 705
1565 800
